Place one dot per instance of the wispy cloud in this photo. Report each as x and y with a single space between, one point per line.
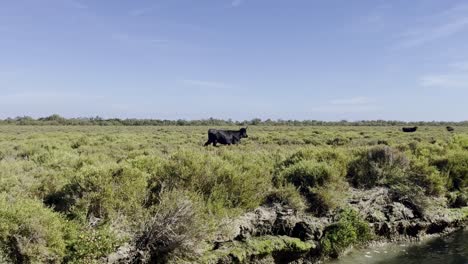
141 11
445 81
456 78
359 104
462 65
236 3
75 4
205 84
360 100
131 39
373 21
120 36
344 109
27 97
442 25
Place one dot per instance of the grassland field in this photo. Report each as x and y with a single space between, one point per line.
76 194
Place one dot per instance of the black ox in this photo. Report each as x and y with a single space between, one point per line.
409 129
225 137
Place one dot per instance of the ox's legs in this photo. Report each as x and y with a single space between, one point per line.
207 143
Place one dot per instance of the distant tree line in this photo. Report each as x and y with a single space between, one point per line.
99 121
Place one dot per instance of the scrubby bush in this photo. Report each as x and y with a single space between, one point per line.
426 176
377 166
101 191
175 228
286 195
318 175
337 158
457 168
224 183
30 233
100 185
305 174
89 245
349 229
457 199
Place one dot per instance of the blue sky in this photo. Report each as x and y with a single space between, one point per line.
239 59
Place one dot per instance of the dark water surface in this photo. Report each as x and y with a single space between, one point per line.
452 249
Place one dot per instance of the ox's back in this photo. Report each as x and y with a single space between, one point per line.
409 129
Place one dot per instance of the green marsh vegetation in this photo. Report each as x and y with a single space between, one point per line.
74 194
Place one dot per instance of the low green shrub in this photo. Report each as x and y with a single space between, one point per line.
174 228
318 176
286 195
457 199
377 166
223 182
457 169
426 176
305 174
89 245
102 191
350 229
31 233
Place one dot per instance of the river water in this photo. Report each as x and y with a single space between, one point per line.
452 249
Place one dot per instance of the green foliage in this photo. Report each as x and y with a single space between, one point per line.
174 227
350 229
306 174
319 176
79 192
101 191
427 177
31 233
286 195
256 248
377 166
224 183
90 245
457 168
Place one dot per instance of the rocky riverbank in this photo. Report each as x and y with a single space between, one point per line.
277 234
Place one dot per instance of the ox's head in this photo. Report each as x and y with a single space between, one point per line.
243 132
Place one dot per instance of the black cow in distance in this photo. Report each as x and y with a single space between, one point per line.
225 137
409 129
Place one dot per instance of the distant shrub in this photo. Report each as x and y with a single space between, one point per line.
377 166
30 233
338 141
348 230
